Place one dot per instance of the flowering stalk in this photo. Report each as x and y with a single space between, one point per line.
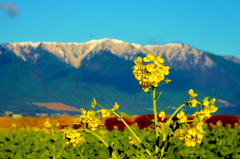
155 121
134 134
103 143
148 76
167 123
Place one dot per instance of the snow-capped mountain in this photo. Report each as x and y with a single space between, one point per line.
74 53
74 73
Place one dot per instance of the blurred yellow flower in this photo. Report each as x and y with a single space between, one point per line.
193 102
73 137
14 125
167 81
94 102
105 113
47 124
138 61
182 117
192 94
206 102
149 58
162 115
115 107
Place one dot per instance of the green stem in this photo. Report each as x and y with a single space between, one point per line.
155 121
61 150
149 153
103 142
168 122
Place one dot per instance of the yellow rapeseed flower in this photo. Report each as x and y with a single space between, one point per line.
202 114
94 102
212 101
213 108
193 102
47 124
192 94
149 58
93 124
162 115
167 81
192 137
182 117
105 113
115 107
13 125
150 74
206 102
83 111
159 59
73 137
138 61
90 114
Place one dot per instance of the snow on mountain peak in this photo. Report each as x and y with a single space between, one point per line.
26 44
73 53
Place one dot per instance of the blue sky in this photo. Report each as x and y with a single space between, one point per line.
208 25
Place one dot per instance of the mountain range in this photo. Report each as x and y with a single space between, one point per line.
71 74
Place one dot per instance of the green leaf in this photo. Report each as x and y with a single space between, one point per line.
150 109
124 114
119 118
158 96
152 125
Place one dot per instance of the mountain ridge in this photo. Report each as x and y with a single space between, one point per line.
74 53
58 72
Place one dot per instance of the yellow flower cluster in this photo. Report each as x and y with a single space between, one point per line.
193 135
89 116
73 137
150 74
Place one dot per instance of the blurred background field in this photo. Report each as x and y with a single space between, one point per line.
38 122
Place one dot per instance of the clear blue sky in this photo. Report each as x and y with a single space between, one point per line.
208 25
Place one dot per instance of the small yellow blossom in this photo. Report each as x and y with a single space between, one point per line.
90 114
213 109
182 117
94 102
47 124
138 61
167 81
93 124
149 58
192 94
162 115
160 60
105 113
115 107
14 125
206 102
212 101
193 102
73 137
83 111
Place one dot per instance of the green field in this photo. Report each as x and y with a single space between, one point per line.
221 142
